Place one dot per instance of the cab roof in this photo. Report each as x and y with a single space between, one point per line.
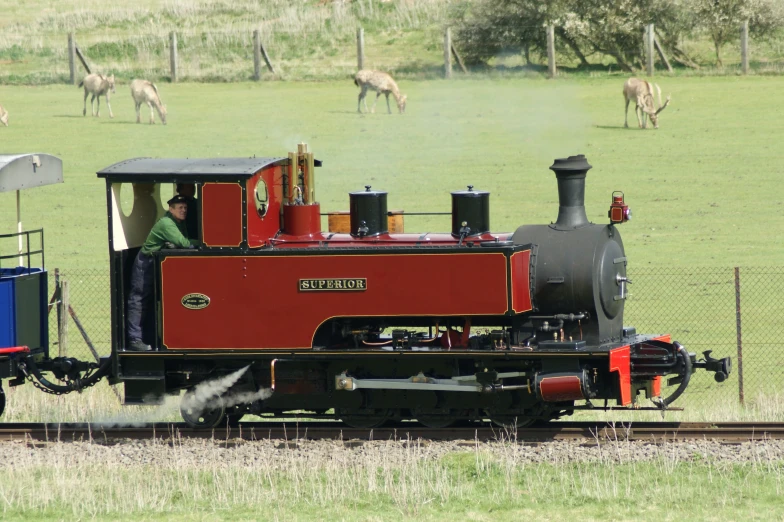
176 170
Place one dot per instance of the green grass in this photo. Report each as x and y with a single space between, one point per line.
389 482
705 188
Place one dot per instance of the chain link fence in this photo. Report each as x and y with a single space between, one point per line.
734 312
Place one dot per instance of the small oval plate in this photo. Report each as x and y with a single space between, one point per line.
195 301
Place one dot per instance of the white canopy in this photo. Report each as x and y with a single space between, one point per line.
23 171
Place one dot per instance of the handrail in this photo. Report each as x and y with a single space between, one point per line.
27 253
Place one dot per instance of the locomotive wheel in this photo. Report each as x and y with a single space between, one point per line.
196 417
2 399
362 420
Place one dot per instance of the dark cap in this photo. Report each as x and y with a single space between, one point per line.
177 199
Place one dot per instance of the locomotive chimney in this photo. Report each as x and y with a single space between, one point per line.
570 173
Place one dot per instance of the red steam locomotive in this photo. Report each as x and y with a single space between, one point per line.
365 324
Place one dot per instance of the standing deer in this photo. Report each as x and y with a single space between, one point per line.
144 91
641 92
382 83
98 85
3 116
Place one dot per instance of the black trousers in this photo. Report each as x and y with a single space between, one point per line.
140 299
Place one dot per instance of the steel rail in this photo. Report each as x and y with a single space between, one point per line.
656 432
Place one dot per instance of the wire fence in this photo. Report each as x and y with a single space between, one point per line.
230 55
734 312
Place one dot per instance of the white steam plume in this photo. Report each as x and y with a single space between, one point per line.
206 395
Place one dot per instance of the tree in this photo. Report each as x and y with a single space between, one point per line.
485 28
722 19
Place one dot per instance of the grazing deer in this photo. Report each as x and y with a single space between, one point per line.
144 91
382 83
98 85
3 116
641 92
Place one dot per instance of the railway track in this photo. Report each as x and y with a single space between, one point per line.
293 431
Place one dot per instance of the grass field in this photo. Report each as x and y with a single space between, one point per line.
394 481
704 188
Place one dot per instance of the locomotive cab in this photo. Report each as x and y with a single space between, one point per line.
238 201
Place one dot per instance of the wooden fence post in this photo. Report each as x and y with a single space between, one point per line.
662 56
448 53
62 315
551 51
744 47
72 58
649 34
459 59
266 58
256 55
173 55
82 58
360 49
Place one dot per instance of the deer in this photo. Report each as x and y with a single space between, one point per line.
3 116
98 85
144 91
641 92
382 83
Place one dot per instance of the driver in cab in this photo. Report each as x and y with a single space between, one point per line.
169 232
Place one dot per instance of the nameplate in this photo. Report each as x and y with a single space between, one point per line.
331 285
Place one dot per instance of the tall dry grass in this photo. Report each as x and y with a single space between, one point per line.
214 37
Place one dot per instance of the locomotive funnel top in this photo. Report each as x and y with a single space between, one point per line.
570 173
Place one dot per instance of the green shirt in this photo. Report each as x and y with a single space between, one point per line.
167 229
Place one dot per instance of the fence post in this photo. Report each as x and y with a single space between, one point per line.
62 317
256 56
744 47
662 56
448 53
173 55
551 51
649 36
360 49
56 298
739 338
72 58
459 59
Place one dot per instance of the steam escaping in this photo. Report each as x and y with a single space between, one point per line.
209 394
205 396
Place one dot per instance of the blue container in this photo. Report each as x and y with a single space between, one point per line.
24 308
